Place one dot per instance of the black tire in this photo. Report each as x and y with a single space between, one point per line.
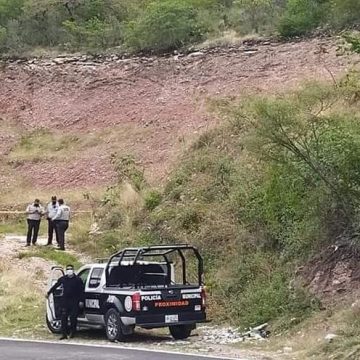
180 332
113 326
54 326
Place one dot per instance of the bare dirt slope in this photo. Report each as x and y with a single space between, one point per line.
148 107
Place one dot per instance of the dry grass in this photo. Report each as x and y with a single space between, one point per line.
307 340
228 38
13 199
129 198
43 145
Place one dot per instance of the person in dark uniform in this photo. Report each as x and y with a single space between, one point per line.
71 300
61 220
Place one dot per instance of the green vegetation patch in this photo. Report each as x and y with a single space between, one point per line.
57 257
21 304
259 196
39 145
12 226
30 26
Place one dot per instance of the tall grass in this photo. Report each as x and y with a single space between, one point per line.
22 304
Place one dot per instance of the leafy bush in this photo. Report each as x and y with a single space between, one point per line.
3 34
249 16
128 171
163 26
10 10
345 12
93 34
353 40
159 25
273 297
152 200
113 219
302 16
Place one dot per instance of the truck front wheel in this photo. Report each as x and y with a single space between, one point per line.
113 326
180 332
54 326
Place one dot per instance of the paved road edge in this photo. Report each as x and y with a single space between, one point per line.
109 346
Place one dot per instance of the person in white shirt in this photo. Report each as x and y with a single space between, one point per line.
61 220
34 212
50 211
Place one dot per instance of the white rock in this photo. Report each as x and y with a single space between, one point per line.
195 54
330 337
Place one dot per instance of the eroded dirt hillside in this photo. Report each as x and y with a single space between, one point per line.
148 107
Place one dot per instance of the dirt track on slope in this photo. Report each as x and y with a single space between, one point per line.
154 106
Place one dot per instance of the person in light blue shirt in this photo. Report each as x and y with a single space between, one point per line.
61 220
34 212
50 211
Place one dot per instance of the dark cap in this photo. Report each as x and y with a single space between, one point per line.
53 198
69 266
36 201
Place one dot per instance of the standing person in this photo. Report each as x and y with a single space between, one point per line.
34 212
72 298
61 220
50 211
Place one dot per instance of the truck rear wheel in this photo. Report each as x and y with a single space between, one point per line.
180 332
113 326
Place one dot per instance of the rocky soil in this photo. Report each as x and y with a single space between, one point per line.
150 107
37 268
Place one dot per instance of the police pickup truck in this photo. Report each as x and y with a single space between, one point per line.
148 287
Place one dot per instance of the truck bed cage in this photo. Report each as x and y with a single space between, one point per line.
133 255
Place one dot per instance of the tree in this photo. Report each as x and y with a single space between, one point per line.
255 12
42 22
302 16
164 25
10 10
345 12
305 131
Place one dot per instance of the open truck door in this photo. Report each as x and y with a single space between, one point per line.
53 315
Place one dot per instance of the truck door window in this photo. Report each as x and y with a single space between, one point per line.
95 278
84 275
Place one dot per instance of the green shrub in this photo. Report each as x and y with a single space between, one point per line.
302 16
94 34
273 299
3 34
163 26
345 12
128 171
353 40
252 16
10 10
152 199
113 218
